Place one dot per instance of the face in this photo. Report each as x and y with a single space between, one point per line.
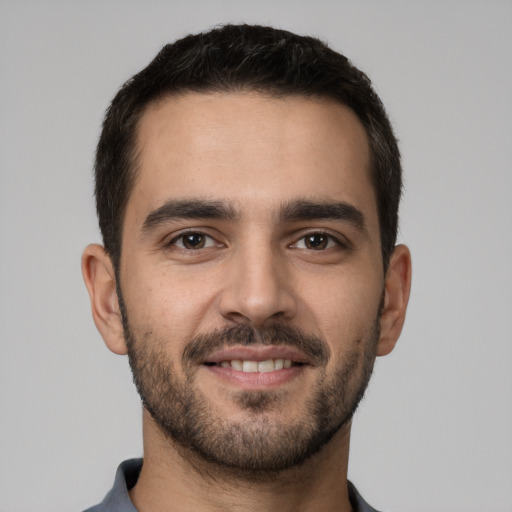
251 274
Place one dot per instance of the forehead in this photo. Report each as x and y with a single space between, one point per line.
250 150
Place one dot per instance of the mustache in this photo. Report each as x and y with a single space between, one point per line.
197 350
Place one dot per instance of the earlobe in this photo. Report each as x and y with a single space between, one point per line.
396 298
100 280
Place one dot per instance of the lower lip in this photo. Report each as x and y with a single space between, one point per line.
256 380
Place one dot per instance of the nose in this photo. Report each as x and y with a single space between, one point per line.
258 290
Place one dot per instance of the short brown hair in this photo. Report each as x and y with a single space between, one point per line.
233 58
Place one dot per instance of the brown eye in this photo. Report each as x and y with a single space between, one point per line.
316 241
319 241
193 241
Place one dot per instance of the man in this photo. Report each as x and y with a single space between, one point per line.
247 187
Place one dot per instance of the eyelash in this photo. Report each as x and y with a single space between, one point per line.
332 241
181 237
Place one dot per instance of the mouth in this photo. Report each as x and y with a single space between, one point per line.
251 366
260 367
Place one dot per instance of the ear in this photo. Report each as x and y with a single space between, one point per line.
396 296
100 280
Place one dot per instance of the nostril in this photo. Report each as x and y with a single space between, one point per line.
237 318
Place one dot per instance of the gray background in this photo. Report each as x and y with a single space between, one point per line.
434 432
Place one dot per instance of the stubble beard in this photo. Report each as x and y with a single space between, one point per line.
260 445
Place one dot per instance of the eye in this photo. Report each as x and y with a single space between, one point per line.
317 242
193 241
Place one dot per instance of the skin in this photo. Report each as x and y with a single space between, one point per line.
254 154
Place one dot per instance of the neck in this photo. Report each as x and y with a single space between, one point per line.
174 479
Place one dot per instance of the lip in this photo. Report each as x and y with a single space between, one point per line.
257 353
256 380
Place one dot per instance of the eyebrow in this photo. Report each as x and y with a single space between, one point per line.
312 210
221 210
188 209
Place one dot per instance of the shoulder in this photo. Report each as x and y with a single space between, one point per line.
357 501
118 499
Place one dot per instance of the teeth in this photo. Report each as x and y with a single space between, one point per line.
257 366
266 366
250 366
236 364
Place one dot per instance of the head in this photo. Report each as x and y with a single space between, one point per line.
274 62
247 185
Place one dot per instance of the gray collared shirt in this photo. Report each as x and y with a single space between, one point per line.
118 500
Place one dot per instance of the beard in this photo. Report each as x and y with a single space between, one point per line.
260 444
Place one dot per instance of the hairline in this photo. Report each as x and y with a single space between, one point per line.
270 92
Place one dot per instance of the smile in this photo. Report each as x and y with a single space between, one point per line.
257 367
249 366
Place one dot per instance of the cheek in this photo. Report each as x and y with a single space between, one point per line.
169 305
345 307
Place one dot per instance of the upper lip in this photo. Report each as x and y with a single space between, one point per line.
257 353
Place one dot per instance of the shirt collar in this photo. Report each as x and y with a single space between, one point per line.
118 499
